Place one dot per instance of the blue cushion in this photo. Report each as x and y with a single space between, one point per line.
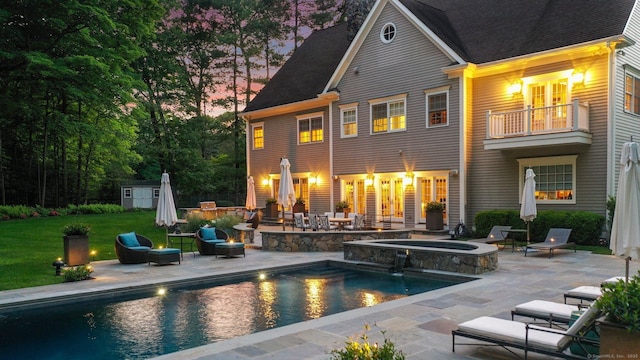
129 239
139 248
214 242
165 251
208 233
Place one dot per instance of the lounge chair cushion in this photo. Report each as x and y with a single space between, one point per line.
542 309
139 248
585 292
513 332
129 239
208 233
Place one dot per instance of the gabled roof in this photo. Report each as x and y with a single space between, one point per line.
306 72
478 31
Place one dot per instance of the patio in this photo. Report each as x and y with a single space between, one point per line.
419 325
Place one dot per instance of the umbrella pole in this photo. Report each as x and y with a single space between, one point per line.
166 233
283 218
528 233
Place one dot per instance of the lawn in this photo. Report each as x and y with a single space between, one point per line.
29 246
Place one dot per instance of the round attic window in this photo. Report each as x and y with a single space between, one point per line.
388 33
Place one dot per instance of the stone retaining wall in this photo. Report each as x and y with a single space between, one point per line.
318 241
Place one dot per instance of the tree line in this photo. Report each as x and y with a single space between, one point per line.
96 93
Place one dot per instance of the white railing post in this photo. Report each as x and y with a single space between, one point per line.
528 120
489 124
576 114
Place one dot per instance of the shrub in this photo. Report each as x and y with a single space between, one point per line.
76 229
435 206
271 201
586 226
194 223
356 350
226 222
620 303
78 273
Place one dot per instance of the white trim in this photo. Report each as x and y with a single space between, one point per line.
342 111
546 161
387 101
382 32
252 135
309 117
437 91
366 28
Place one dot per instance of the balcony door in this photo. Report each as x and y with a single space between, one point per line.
548 101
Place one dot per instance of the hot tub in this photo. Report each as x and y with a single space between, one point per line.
444 255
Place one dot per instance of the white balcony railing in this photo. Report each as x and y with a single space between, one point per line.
535 121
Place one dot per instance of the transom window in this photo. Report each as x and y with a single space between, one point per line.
258 136
388 33
310 129
555 178
388 116
632 93
349 120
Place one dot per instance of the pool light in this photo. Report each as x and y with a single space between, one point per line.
262 276
162 291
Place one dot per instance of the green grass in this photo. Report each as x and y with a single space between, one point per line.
29 246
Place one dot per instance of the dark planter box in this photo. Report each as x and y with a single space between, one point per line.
299 208
76 250
435 220
271 211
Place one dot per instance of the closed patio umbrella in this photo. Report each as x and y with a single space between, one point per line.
166 211
625 230
286 191
250 203
528 210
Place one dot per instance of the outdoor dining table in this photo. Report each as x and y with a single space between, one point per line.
340 222
185 239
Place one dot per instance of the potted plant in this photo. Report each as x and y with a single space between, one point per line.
343 206
76 243
271 209
435 215
620 323
298 207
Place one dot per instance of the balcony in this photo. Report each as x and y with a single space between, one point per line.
565 124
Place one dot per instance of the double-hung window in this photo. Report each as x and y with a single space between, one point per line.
437 106
258 136
349 120
310 128
388 114
555 178
631 93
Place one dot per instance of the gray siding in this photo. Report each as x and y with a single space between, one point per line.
280 139
493 174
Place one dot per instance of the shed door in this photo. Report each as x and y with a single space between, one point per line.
142 198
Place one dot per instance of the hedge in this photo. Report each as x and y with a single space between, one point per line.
586 226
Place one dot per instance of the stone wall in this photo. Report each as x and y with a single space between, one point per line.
479 261
319 241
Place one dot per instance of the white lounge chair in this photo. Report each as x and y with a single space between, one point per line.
529 337
545 310
583 293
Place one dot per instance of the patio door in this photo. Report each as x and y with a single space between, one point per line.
432 188
354 193
391 201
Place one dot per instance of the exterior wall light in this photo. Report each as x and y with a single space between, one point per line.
369 180
313 180
515 88
408 179
577 78
265 182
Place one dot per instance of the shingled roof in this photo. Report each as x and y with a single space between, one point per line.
479 31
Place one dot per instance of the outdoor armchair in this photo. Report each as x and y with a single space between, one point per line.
557 238
206 241
132 248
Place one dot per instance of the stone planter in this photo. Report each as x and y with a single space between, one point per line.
435 220
616 342
76 250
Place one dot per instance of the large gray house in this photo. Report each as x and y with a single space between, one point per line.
451 101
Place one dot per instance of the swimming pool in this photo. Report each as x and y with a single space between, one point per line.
188 317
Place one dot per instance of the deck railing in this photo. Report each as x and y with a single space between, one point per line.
535 121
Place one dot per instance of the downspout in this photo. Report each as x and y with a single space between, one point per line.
462 166
611 128
247 136
330 180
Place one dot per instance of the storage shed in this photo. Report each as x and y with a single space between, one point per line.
140 194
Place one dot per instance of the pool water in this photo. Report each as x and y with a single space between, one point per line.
183 319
